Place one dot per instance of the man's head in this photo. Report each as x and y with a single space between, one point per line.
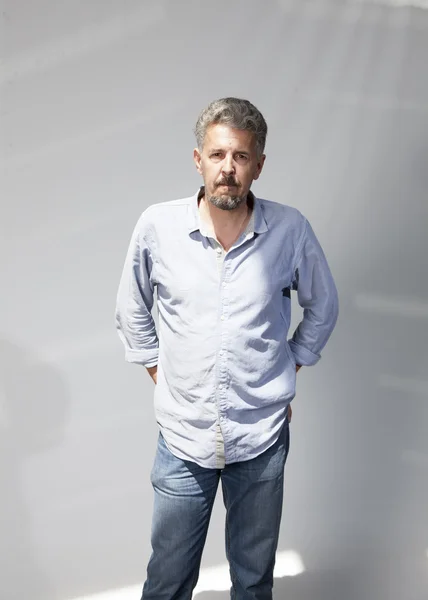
231 136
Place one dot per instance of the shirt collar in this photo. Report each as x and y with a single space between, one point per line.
260 224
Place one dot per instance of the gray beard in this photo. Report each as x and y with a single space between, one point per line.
226 202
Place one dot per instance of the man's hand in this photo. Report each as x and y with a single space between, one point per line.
153 372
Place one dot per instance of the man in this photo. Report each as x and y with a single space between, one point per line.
224 263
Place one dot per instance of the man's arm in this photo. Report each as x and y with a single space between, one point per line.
317 295
134 321
153 372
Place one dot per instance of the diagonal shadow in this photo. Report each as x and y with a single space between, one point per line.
33 404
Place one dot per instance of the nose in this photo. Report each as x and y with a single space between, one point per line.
228 167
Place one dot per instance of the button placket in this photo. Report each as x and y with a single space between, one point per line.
220 387
222 365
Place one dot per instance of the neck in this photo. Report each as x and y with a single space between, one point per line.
227 225
224 219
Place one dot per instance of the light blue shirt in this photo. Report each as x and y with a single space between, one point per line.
224 362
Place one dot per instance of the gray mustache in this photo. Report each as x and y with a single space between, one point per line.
229 181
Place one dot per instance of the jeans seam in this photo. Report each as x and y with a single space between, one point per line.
233 576
197 569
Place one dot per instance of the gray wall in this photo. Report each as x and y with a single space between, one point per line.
98 101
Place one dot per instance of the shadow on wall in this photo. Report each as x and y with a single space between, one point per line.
33 405
360 582
317 586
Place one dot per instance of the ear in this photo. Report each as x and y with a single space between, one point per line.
197 159
259 167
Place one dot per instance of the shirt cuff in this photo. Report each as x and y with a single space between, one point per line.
303 356
146 358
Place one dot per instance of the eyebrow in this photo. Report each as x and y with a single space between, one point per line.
236 151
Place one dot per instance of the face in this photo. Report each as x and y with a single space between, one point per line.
228 163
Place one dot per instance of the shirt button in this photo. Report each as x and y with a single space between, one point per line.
221 353
220 387
224 284
218 250
222 318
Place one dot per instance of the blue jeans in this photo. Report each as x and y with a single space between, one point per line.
184 497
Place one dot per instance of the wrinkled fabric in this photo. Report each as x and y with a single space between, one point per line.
222 351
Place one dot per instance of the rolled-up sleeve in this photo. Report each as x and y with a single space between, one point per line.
134 321
317 295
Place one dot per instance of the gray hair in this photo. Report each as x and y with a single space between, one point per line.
238 114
